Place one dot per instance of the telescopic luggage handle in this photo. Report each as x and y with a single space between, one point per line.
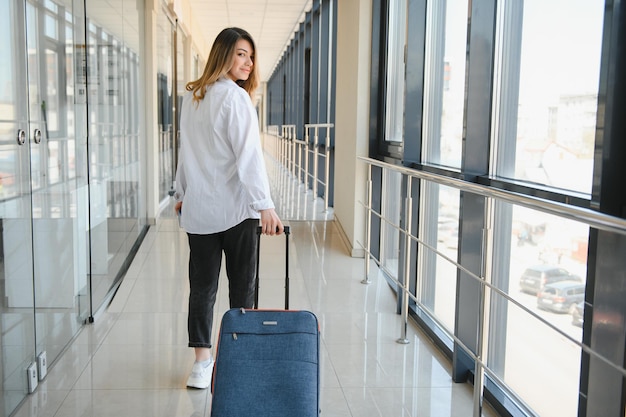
259 232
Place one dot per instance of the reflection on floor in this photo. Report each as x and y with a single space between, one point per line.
134 360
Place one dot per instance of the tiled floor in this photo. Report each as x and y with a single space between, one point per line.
134 360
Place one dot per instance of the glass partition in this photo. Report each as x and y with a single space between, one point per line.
116 195
165 86
72 177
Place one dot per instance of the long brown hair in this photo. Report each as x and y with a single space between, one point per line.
221 60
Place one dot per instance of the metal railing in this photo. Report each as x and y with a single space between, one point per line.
591 218
296 155
287 147
314 176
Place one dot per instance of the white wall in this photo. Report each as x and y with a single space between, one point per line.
354 21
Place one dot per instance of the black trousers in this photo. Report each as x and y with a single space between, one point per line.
239 246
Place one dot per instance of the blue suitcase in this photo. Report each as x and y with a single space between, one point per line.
267 363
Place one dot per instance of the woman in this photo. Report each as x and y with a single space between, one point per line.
222 183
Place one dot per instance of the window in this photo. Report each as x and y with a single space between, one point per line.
545 252
394 114
444 81
438 286
390 236
546 92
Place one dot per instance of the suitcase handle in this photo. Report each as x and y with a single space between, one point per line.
259 232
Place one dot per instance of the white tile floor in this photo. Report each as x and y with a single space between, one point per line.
134 360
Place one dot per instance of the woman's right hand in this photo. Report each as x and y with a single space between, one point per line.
178 207
270 223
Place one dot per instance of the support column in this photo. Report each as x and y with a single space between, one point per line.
475 162
354 22
603 388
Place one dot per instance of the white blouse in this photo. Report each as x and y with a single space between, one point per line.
221 177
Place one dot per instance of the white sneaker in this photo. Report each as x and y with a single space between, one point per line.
200 375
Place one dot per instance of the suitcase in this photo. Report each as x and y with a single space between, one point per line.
267 361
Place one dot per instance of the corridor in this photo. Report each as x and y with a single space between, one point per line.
134 360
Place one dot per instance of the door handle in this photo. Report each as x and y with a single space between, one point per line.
21 136
37 136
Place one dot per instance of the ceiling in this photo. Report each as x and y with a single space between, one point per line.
271 23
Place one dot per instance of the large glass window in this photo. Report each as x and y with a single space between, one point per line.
395 71
547 266
509 96
436 289
394 132
547 91
444 81
390 236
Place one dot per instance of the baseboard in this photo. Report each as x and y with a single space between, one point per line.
354 252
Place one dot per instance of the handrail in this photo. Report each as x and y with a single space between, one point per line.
317 155
592 218
287 149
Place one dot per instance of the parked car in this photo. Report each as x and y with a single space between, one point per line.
577 314
561 297
536 277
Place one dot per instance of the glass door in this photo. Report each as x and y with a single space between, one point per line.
57 238
17 317
40 239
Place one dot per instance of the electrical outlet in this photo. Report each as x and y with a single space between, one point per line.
31 376
42 365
